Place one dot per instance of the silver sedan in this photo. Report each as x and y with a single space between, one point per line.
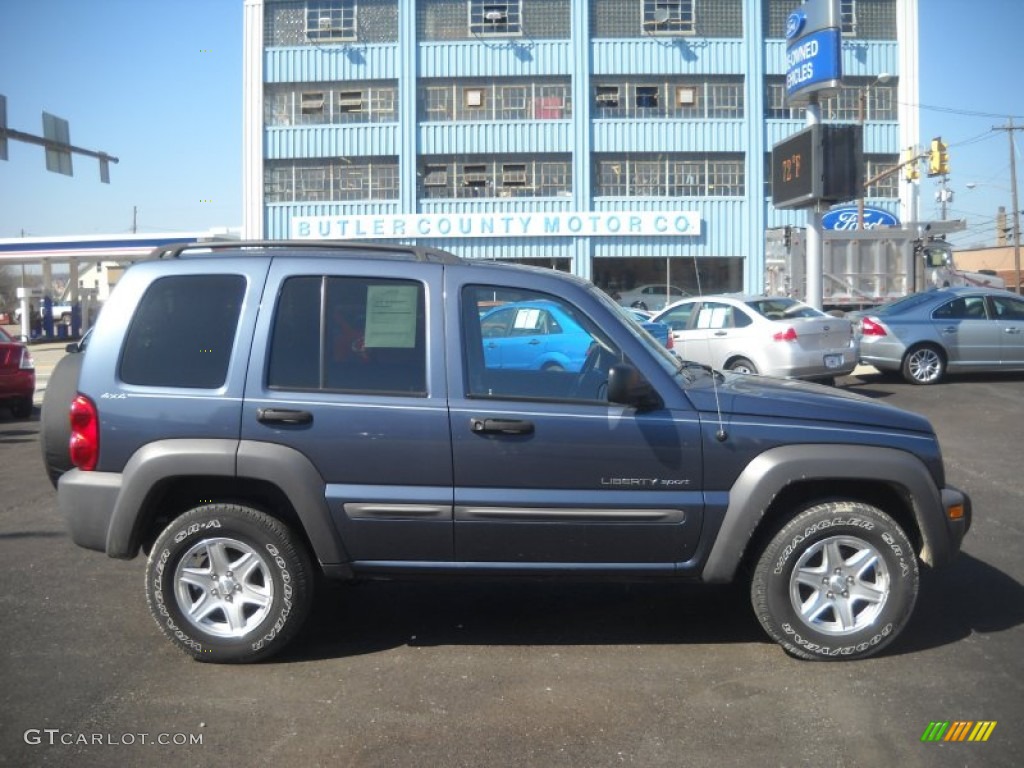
770 335
926 335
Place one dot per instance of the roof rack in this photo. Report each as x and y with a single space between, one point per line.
411 252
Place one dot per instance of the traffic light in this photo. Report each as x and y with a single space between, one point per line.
909 163
938 158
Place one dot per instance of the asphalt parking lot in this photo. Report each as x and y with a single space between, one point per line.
519 674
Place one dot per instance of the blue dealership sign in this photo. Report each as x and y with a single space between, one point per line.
814 61
814 43
845 219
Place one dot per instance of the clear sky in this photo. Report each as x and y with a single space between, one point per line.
158 84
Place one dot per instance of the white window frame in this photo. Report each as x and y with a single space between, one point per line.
848 17
329 21
496 18
669 17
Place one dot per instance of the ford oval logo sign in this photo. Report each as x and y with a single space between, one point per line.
795 23
845 219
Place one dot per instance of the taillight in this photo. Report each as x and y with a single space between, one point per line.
27 363
869 327
85 433
671 343
787 335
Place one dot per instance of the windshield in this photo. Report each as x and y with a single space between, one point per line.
782 308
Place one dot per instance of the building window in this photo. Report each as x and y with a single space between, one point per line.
887 187
845 106
848 17
669 17
311 106
331 20
505 177
608 97
677 176
322 180
775 105
720 98
495 17
350 101
367 102
647 97
504 100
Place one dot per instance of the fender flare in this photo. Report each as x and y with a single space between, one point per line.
283 467
775 469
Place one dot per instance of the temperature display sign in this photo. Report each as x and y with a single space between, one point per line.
796 163
822 163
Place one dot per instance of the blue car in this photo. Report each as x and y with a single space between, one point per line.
533 335
660 331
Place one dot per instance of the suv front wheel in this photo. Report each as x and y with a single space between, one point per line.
839 581
227 583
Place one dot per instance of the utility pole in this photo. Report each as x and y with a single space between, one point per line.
1010 128
135 219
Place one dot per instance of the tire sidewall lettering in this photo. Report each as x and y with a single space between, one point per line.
772 583
254 528
809 533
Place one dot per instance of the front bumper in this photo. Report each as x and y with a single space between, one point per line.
958 511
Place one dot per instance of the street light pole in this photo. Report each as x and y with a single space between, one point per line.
1010 128
1016 212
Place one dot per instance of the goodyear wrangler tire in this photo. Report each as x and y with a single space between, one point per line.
839 581
228 584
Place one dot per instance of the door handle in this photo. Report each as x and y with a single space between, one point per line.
1012 330
721 333
949 329
500 426
283 416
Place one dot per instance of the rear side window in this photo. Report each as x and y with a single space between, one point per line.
183 332
349 334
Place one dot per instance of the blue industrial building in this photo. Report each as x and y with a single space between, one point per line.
627 141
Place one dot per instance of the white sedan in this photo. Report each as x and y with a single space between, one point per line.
769 335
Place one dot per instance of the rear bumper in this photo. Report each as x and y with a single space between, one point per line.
811 365
86 500
17 384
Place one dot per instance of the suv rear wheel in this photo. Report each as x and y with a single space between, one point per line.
228 583
839 581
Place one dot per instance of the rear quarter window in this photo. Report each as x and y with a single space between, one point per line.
182 332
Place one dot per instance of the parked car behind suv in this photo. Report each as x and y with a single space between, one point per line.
926 335
17 376
770 335
250 415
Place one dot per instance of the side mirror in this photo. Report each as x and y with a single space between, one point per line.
627 386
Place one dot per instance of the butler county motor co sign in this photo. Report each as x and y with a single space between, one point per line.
526 224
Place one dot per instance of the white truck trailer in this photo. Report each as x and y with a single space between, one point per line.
867 267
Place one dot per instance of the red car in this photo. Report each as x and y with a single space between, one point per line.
17 376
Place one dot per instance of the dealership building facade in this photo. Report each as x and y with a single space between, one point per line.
627 141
